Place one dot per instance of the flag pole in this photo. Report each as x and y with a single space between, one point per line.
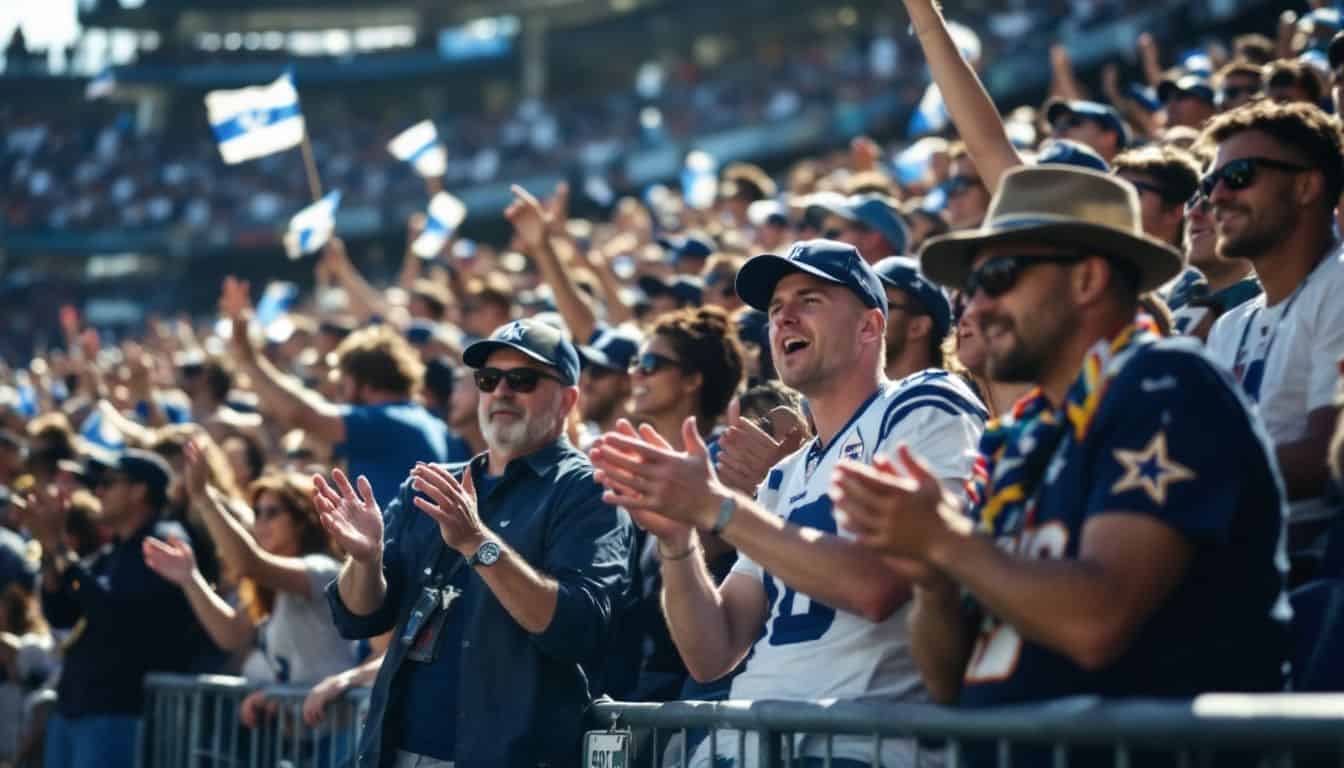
310 167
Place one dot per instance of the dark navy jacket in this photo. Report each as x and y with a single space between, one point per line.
128 621
523 696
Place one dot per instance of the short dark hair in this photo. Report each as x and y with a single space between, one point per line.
705 341
1174 169
218 378
434 296
1297 73
1304 129
1242 67
1255 48
380 358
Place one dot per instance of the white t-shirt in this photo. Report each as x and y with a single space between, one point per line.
34 661
298 642
1286 356
812 651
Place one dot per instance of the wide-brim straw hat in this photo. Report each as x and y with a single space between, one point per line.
1094 213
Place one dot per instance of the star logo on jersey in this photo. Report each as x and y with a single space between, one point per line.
1150 470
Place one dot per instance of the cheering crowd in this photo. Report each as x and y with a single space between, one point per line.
1049 420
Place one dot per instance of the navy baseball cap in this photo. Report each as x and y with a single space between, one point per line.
827 260
1188 85
538 340
876 212
687 290
611 349
1097 112
691 247
1069 152
902 273
140 466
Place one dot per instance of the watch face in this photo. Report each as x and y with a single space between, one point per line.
488 554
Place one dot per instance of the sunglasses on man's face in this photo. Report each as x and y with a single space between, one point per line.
998 275
651 363
520 380
955 185
1240 174
1069 122
1234 92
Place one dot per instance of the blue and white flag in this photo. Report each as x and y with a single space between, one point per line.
419 145
272 311
444 216
700 180
256 121
931 114
312 227
101 86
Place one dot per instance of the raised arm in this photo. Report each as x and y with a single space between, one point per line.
229 628
281 396
968 104
535 226
365 300
410 261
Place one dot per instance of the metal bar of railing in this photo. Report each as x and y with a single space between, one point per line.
1276 719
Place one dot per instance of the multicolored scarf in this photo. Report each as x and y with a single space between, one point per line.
1016 448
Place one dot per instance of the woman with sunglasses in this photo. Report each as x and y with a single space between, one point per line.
286 560
689 365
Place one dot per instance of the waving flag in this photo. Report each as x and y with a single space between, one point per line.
272 311
256 121
419 145
700 180
312 227
445 214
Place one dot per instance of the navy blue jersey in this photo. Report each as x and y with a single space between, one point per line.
1172 438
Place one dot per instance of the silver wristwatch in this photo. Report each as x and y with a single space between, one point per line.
486 554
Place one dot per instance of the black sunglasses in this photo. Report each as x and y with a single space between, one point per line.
998 275
1240 174
521 380
1144 186
1068 122
955 185
650 363
1234 92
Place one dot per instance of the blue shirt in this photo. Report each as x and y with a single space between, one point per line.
135 622
383 442
1174 440
527 693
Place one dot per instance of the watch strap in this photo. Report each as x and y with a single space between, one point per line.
726 509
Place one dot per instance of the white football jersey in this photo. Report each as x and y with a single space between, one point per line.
809 650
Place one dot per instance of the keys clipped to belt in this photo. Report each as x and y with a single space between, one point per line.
425 624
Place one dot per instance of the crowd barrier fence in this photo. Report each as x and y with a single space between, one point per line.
1278 731
191 722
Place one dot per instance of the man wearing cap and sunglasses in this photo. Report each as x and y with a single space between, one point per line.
498 576
1274 185
125 620
1126 520
821 617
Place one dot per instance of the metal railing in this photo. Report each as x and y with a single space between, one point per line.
192 722
1269 730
